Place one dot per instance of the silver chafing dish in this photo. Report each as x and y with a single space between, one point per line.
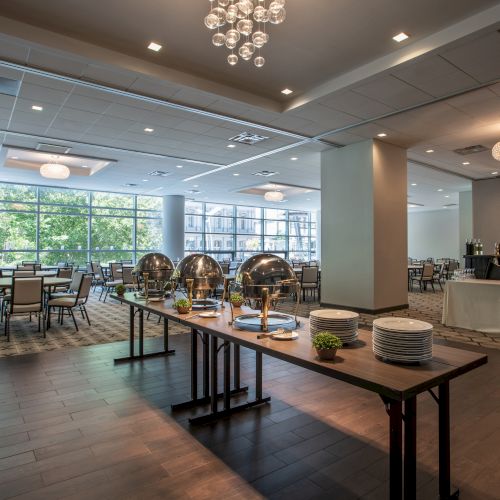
266 278
198 275
153 271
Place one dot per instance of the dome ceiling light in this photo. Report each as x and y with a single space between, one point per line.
274 196
54 171
495 151
244 25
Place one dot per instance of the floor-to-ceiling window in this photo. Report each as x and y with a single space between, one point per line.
55 225
231 231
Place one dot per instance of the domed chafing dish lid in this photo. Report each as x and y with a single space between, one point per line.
203 269
159 266
264 270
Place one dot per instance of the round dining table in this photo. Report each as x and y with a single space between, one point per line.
38 274
50 282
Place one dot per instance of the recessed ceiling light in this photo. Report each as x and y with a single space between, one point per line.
446 195
430 151
36 108
400 37
494 173
382 134
154 46
147 129
308 199
14 157
287 91
294 158
236 175
231 146
413 183
440 190
466 163
196 185
179 166
145 180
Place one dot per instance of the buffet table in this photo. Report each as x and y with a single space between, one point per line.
397 385
472 304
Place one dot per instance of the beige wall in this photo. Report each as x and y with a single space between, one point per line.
363 227
486 212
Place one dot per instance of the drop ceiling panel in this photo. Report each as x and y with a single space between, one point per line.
118 79
91 105
56 62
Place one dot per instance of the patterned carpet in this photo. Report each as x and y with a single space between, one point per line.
110 324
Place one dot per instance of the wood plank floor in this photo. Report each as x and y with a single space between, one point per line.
74 426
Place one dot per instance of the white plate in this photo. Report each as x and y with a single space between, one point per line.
209 315
333 314
402 324
285 336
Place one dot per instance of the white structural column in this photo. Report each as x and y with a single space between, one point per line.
173 226
364 227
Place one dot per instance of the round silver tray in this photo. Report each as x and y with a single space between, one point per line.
275 320
203 304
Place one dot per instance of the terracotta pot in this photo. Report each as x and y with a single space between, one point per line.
326 354
183 310
237 304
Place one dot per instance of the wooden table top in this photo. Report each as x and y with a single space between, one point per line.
356 365
44 274
7 282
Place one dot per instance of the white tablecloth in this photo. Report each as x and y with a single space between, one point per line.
472 304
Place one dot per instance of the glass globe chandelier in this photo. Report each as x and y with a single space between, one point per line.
241 26
54 171
495 151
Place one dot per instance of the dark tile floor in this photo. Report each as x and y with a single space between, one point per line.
74 426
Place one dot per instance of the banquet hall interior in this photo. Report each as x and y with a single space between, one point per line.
249 249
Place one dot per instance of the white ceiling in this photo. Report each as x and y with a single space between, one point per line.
102 123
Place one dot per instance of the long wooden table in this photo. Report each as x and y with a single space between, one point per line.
397 385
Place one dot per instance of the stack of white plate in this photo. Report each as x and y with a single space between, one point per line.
402 339
343 324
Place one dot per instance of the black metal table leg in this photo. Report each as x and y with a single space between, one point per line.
215 414
206 365
236 366
141 355
444 444
410 449
141 332
227 375
165 338
131 330
395 449
213 374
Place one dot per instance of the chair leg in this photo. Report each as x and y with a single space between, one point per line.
38 321
44 327
86 314
102 291
73 316
432 285
48 317
7 327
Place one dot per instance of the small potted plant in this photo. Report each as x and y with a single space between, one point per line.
326 345
182 306
237 299
120 290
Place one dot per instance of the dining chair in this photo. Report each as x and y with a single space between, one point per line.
23 273
66 273
71 302
225 267
25 267
439 276
310 281
26 298
73 287
451 268
427 276
28 262
128 278
109 285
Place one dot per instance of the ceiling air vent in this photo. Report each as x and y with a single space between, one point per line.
450 205
248 138
130 185
159 173
9 87
415 205
193 191
53 148
470 150
265 173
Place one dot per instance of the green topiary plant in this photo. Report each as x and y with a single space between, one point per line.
181 303
120 289
237 299
326 345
